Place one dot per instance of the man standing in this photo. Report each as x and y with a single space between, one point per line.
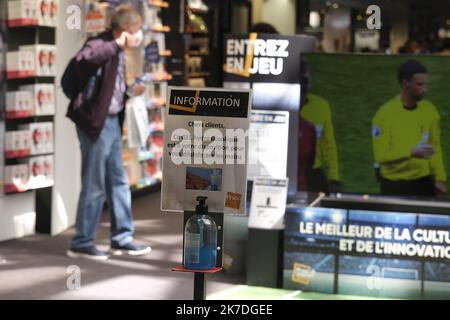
406 139
98 112
325 174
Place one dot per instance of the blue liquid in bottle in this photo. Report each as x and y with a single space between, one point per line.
200 239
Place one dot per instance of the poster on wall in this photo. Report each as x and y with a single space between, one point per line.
270 65
205 151
268 203
382 254
268 144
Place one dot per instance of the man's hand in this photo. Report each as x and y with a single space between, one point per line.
122 41
441 188
422 151
137 89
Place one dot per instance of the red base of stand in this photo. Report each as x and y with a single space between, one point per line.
183 269
199 280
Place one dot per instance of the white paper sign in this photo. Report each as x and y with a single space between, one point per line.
268 203
269 131
205 149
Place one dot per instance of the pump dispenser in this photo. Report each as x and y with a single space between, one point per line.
200 239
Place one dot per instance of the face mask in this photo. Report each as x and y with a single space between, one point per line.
136 39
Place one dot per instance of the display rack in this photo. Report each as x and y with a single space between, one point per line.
29 96
28 102
201 31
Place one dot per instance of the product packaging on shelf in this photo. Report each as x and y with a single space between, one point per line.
44 57
17 144
40 172
43 98
19 104
97 18
48 136
47 12
20 64
16 178
41 137
133 172
151 17
195 64
22 12
156 93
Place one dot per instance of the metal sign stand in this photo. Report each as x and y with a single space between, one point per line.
199 275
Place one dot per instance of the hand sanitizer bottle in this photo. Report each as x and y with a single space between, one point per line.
200 239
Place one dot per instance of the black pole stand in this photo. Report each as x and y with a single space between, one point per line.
199 275
199 286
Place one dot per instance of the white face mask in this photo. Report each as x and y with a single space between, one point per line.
136 39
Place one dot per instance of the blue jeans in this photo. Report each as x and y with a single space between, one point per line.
103 172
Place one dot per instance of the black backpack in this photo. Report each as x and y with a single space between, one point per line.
71 85
69 80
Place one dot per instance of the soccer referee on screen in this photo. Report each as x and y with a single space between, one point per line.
406 139
324 177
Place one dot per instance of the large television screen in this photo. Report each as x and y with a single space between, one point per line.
381 124
367 253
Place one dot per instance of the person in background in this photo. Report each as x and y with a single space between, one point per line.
263 27
324 176
98 112
306 155
406 139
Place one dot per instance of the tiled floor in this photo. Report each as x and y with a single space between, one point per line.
36 267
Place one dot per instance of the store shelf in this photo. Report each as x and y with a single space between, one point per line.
20 74
199 34
17 154
156 103
198 53
199 74
11 115
158 3
145 156
10 189
9 155
13 189
24 75
22 23
19 115
165 53
145 184
27 23
163 29
198 10
157 127
152 77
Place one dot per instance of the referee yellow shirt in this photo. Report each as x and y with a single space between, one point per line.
397 130
317 111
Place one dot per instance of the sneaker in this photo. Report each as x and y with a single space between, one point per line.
131 249
90 252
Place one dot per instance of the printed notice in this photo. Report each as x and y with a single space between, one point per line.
268 203
269 131
206 149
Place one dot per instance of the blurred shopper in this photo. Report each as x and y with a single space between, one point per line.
325 174
98 112
306 155
406 139
263 27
